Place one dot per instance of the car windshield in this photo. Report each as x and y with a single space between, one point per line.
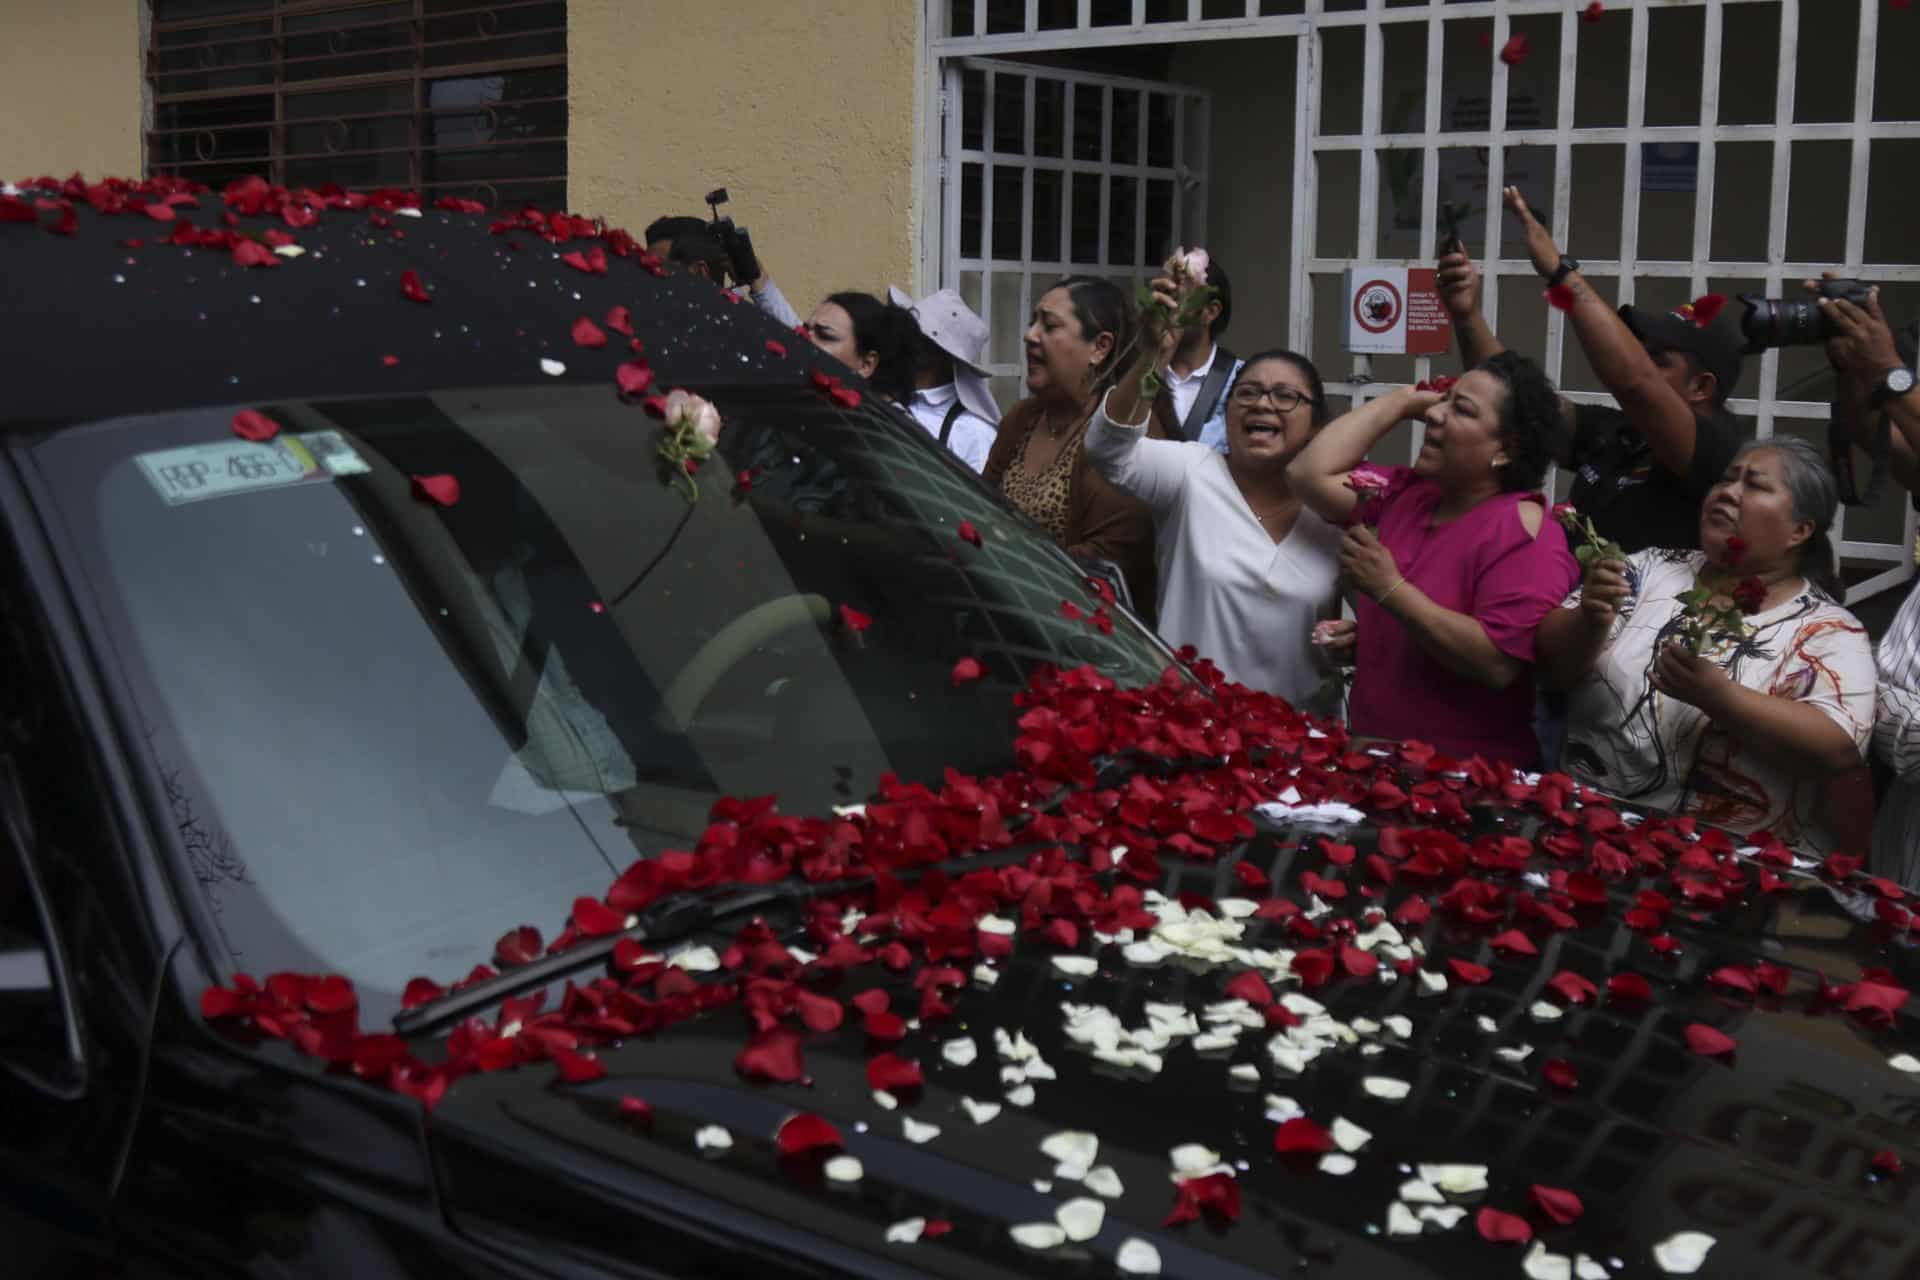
393 730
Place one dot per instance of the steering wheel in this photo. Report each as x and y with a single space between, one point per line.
711 662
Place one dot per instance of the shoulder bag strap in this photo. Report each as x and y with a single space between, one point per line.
1210 392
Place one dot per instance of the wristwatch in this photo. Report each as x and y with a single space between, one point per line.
1568 265
1896 383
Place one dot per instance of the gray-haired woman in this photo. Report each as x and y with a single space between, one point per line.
1746 731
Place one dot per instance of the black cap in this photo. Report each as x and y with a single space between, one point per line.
1716 346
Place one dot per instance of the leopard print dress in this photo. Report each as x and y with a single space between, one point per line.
1043 497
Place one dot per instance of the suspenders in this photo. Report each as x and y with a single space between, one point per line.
946 424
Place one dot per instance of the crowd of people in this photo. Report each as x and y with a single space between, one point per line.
1675 636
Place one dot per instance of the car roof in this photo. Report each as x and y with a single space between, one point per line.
106 315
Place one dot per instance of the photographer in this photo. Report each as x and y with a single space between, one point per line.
1640 470
1877 400
719 250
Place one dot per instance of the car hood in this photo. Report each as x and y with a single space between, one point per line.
1768 1152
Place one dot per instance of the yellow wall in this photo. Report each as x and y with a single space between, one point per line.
812 132
71 88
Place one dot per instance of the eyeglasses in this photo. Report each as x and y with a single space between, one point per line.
1284 398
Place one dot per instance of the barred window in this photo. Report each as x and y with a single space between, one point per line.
447 97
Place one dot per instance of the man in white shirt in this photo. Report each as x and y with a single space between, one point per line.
951 399
1201 370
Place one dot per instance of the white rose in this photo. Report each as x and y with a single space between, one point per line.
1193 264
686 409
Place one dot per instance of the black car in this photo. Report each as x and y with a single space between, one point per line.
446 834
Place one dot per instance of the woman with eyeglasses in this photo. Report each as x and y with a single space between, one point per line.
1245 570
1454 564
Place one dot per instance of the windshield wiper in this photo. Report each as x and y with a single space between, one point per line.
668 922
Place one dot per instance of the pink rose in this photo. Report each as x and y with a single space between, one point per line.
1368 480
685 408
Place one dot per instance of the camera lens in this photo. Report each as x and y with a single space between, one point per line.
1780 322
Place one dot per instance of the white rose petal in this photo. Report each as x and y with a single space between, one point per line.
289 251
1038 1235
1103 1181
849 810
1349 1136
1021 1095
981 1112
1487 1025
1214 1041
1137 1258
1586 1268
1386 1087
1072 1149
552 368
1513 1053
713 1138
1401 1222
1238 908
1043 1185
1456 1179
997 924
695 959
1418 1191
1541 1011
985 974
1431 983
960 1052
408 213
1904 1062
918 1130
1338 1165
884 1100
1399 1026
906 1231
1282 1109
1683 1253
1244 1071
1445 1218
1076 966
1541 1265
1081 1218
844 1169
1190 1160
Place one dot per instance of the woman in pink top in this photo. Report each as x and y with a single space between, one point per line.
1463 565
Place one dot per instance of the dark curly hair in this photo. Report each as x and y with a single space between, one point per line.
1532 425
891 333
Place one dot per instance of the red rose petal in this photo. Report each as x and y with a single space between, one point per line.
596 919
1559 297
1301 1134
1593 12
1515 941
620 320
1561 1205
968 533
250 424
891 1072
1707 1042
1572 987
882 1025
1515 50
634 377
389 361
1252 988
776 348
772 1055
872 1000
1560 1073
806 1132
331 994
966 671
251 253
637 1111
1358 963
440 490
1500 1227
935 1228
820 1013
1887 1164
1468 972
854 620
578 1068
1628 986
420 991
412 289
1707 307
588 334
518 946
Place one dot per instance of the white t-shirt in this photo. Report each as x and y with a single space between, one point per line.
1226 587
1631 741
972 436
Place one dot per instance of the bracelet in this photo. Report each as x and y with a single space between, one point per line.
1398 582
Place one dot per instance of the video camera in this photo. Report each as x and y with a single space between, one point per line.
735 240
1796 322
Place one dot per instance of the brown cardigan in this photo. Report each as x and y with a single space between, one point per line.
1102 522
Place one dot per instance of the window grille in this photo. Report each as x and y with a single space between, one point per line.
447 97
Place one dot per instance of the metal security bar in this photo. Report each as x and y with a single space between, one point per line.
1049 173
447 97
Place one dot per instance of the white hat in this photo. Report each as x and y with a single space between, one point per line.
951 325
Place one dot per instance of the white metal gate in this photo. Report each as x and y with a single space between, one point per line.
1729 146
1048 173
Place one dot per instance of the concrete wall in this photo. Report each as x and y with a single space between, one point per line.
812 133
72 87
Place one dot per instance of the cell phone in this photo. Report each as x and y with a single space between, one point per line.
1451 212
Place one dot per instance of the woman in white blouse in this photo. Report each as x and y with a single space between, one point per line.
1245 570
1746 733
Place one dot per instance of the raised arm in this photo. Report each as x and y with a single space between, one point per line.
1459 282
1116 445
1619 361
1318 473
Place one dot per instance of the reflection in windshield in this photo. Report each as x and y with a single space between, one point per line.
416 728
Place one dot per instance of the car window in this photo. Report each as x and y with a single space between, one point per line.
394 730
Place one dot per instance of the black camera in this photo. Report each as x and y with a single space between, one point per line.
735 240
1796 322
